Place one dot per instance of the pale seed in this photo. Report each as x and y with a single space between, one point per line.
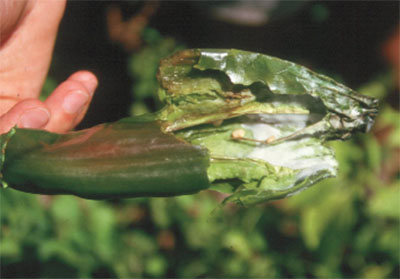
238 134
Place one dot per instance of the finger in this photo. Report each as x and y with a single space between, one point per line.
29 113
69 101
89 80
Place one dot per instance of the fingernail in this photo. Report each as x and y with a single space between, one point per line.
34 118
91 85
74 101
89 82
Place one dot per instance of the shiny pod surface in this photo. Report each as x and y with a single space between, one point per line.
122 159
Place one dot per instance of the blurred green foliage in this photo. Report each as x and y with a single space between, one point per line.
343 227
143 67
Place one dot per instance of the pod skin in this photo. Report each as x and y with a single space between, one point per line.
285 111
118 160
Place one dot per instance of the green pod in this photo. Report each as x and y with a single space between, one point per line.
242 123
122 159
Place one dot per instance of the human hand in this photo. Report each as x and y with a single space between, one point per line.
27 34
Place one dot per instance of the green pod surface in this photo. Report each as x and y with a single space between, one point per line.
122 159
